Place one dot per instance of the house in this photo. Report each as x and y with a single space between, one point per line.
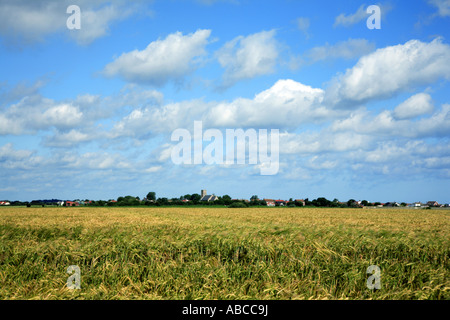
4 203
392 204
432 204
415 205
206 197
281 203
209 198
72 204
301 201
270 202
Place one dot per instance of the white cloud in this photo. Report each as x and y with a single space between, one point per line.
286 104
143 122
153 169
31 21
9 126
248 57
349 49
318 163
95 23
69 139
415 106
9 94
72 121
436 162
389 71
437 125
389 151
323 141
443 7
387 125
7 151
303 24
359 15
11 158
162 60
351 19
62 115
35 112
94 161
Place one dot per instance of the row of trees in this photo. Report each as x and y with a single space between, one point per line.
352 203
194 199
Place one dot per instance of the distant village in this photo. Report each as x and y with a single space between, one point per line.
205 199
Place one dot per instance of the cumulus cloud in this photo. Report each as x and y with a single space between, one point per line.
69 122
37 113
9 94
163 60
415 106
386 124
95 161
248 57
31 21
323 141
70 138
11 158
287 104
390 151
143 122
96 22
391 70
349 49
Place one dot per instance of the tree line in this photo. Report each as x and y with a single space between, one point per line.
195 200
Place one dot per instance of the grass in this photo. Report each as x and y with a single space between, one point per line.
223 253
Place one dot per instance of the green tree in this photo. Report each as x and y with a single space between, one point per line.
237 204
195 198
335 203
151 196
226 199
351 203
321 202
162 201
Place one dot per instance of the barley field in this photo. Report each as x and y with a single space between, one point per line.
223 253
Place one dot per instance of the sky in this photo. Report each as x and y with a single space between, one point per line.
89 103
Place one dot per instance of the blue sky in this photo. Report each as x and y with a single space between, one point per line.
88 113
